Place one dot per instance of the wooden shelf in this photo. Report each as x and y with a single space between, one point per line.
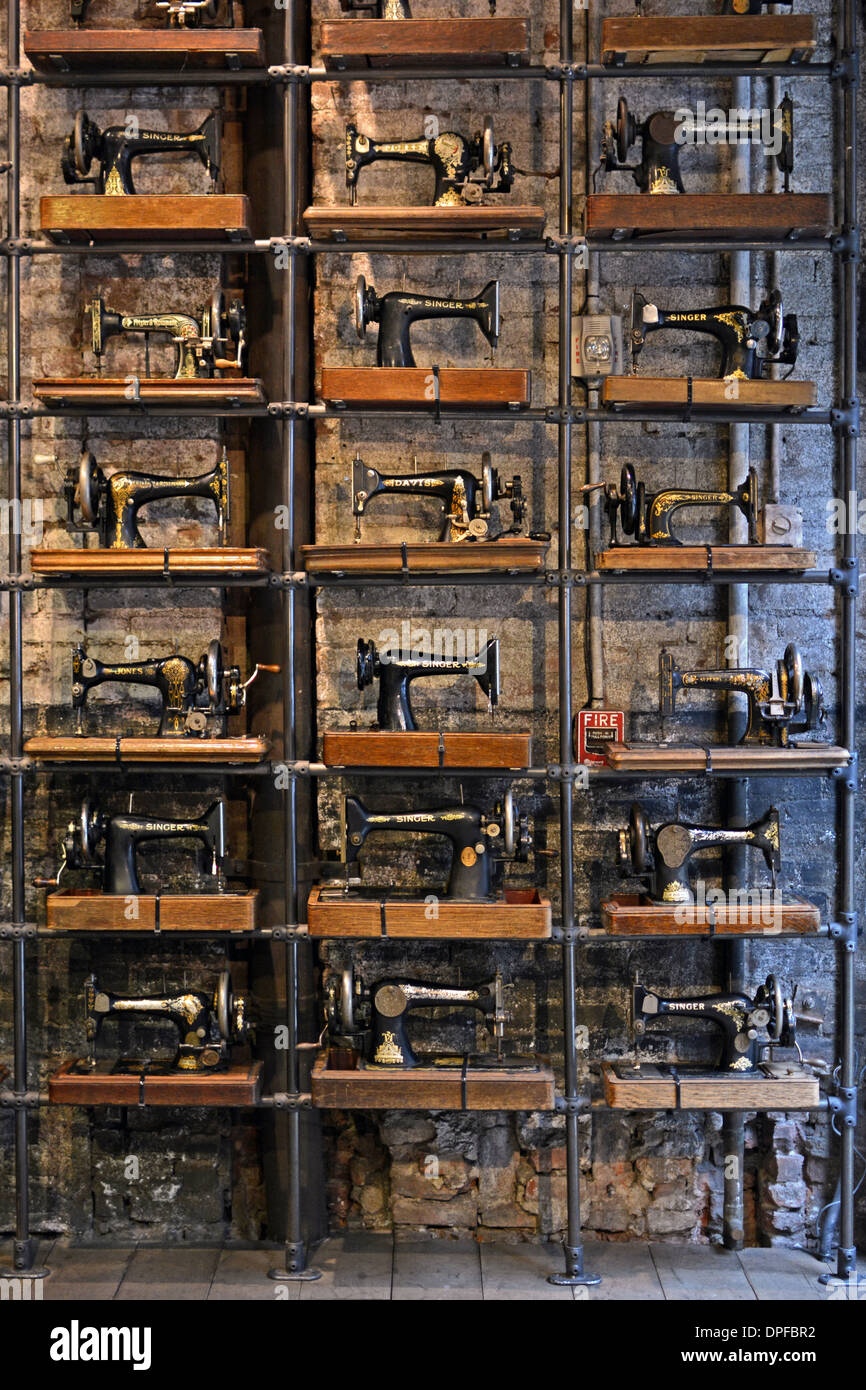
97 217
661 392
777 1086
631 914
396 386
219 561
377 43
74 910
239 1085
358 1087
508 553
702 559
207 392
50 749
521 915
354 223
65 50
372 748
719 38
737 216
671 757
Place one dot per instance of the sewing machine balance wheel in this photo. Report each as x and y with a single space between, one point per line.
638 840
794 670
361 306
213 665
625 130
489 482
81 147
366 663
225 1004
629 507
488 150
88 487
88 828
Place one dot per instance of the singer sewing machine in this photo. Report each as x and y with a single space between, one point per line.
748 1026
650 518
663 858
179 14
453 157
658 171
200 342
123 833
110 506
195 695
741 331
396 311
784 701
468 500
116 147
396 673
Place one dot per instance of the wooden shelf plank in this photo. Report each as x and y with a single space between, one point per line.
50 748
377 43
671 757
738 216
64 50
507 553
522 914
396 386
378 221
208 392
656 1087
637 559
719 38
240 1084
219 561
170 217
651 392
372 748
430 1088
630 914
71 909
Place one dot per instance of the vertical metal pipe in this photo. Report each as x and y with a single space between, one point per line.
594 592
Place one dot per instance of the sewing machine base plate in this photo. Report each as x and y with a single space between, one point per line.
631 914
126 392
161 216
238 1084
153 749
340 1082
521 914
174 561
62 50
703 559
517 553
382 43
693 39
662 1086
737 216
623 393
371 748
413 386
670 757
404 223
76 910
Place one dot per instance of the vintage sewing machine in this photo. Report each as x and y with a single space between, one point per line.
476 839
748 1025
740 331
110 506
396 311
786 700
196 696
122 834
650 518
200 342
395 674
468 500
189 14
664 857
375 1022
388 9
207 1024
454 159
659 169
116 147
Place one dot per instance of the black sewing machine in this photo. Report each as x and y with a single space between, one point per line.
195 695
206 1023
741 331
115 148
110 506
475 840
390 9
179 14
468 500
650 518
396 311
659 169
122 834
663 857
748 1025
787 700
453 157
395 673
200 342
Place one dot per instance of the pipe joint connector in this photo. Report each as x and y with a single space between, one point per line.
845 419
846 930
571 1105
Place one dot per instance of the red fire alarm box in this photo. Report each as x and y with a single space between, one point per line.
595 728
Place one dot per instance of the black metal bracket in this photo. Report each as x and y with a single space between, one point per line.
846 244
847 775
846 930
845 418
846 69
21 1100
15 410
16 931
288 1100
843 1106
287 933
18 582
13 765
291 72
565 579
296 580
572 1105
289 410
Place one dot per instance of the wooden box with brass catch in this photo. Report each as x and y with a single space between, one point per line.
663 1086
67 50
391 37
521 914
742 36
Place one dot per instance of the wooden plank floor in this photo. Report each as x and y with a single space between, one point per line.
360 1266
